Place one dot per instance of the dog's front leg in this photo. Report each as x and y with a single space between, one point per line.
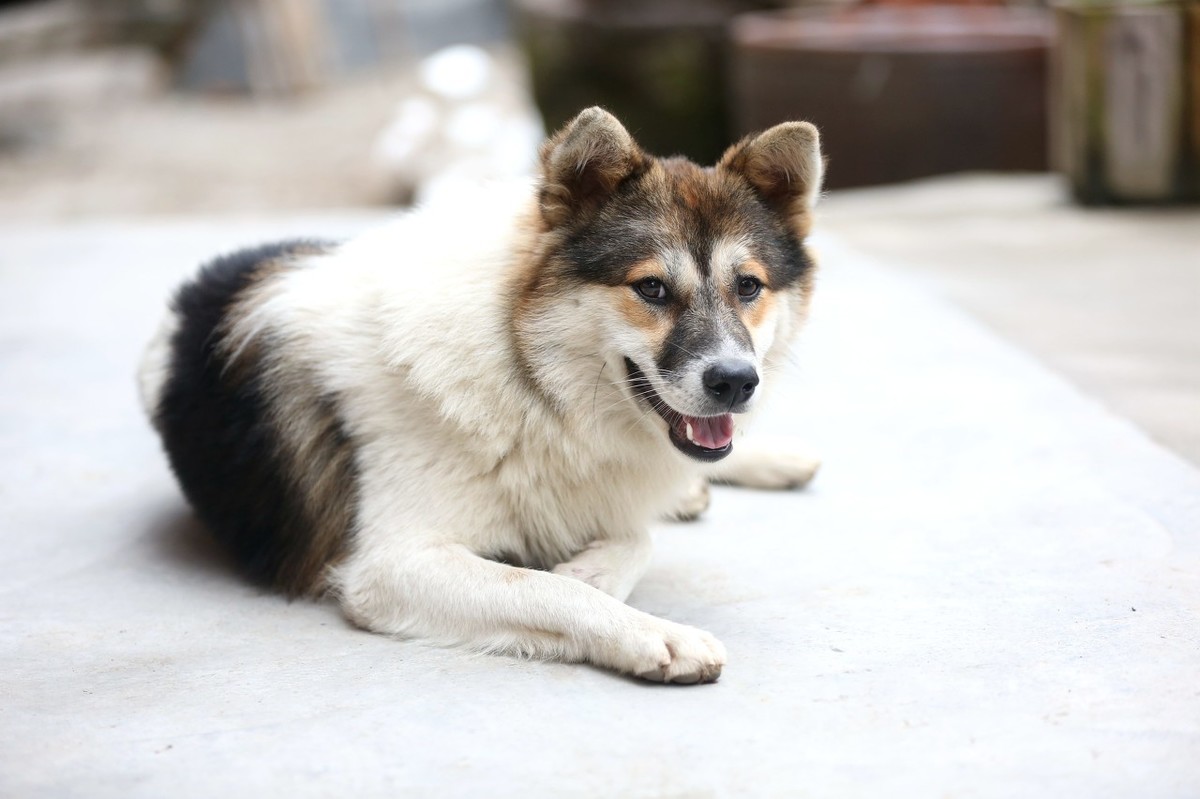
757 467
612 564
445 593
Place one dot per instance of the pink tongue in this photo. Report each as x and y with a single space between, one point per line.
710 432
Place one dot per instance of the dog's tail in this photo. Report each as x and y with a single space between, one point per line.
155 366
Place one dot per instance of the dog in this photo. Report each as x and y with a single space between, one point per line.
461 425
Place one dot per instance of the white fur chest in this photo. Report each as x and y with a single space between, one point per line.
452 440
561 492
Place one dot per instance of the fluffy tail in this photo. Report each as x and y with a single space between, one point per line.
156 366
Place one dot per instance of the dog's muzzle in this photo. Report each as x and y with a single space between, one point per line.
705 438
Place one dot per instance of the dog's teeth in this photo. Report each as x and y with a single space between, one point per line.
689 433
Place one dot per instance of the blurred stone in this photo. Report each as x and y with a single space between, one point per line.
251 45
165 25
275 47
34 29
36 95
1121 78
468 118
457 73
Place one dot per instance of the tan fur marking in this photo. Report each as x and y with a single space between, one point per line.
643 270
637 312
803 289
755 313
551 635
532 283
753 268
640 315
802 224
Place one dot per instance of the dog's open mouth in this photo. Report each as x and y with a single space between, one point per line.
705 438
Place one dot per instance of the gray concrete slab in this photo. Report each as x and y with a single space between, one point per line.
1110 297
992 589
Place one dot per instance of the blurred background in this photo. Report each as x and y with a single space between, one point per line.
115 106
1035 164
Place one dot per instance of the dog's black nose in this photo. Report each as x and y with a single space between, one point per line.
730 381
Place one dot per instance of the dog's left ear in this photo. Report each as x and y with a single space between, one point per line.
784 166
583 164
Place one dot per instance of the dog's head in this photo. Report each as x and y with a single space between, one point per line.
683 281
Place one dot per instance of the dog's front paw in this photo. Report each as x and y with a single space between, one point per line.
773 471
667 652
693 502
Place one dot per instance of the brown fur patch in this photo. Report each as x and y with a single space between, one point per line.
243 352
323 469
688 182
316 455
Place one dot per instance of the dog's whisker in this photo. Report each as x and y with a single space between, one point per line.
625 399
596 390
637 421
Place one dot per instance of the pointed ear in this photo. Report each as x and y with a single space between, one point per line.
784 166
584 163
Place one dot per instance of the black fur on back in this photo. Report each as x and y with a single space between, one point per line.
227 453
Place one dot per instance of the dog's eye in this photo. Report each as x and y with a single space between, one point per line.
748 288
652 289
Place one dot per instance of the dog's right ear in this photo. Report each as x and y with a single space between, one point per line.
584 163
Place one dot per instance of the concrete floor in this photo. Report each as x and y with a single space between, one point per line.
991 590
1109 297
